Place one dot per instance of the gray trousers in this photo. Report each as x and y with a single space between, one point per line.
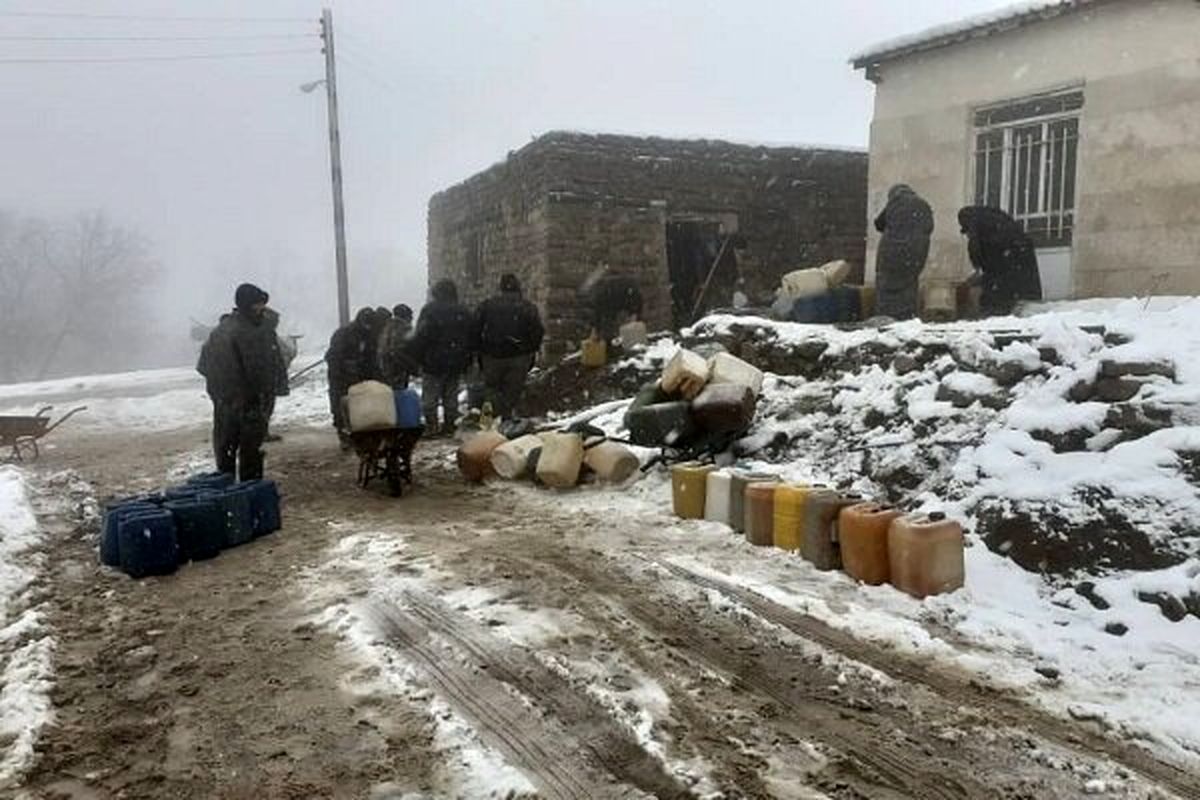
440 390
504 382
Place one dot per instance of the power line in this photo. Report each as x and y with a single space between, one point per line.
130 59
145 18
230 37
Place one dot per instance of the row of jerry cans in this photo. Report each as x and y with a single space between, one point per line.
556 459
920 554
153 534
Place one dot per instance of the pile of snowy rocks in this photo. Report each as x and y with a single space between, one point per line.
1067 441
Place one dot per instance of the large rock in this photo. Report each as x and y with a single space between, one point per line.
1111 368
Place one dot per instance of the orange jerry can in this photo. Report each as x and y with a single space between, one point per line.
863 535
474 456
925 554
760 513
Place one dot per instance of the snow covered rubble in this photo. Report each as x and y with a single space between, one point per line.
1067 443
26 646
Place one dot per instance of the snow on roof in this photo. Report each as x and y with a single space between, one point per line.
973 27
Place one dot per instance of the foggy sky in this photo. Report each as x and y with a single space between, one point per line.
224 164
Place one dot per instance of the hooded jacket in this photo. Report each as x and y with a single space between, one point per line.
444 340
1004 255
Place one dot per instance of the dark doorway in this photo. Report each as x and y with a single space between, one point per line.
701 269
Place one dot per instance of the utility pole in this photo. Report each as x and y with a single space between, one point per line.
335 167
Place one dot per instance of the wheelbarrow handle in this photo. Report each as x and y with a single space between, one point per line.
43 411
64 418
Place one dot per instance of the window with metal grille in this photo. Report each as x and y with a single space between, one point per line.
1025 158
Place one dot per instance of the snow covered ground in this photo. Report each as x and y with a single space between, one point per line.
1033 633
152 400
26 646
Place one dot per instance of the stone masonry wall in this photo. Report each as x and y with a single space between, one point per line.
569 204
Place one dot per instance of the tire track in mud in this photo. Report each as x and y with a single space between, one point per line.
578 751
864 763
882 750
872 766
960 690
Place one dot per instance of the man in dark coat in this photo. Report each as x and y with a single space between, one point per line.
508 334
350 359
906 224
396 362
1003 255
239 362
445 346
613 299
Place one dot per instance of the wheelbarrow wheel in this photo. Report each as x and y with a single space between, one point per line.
25 449
395 478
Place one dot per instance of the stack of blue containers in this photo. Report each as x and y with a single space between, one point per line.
152 534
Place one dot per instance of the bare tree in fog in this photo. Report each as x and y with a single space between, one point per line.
72 295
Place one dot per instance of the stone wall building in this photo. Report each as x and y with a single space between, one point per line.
1081 118
660 210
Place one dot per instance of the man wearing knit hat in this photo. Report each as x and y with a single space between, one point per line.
508 335
239 365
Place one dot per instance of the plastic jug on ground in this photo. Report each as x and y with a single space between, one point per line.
371 406
724 408
561 459
633 334
199 527
593 352
475 453
925 554
737 495
612 462
110 548
726 368
510 460
863 535
661 424
790 500
760 513
819 542
718 500
686 374
688 485
238 504
836 272
147 543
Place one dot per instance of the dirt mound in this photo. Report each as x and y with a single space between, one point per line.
1041 540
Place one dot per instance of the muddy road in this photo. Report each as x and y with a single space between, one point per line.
486 641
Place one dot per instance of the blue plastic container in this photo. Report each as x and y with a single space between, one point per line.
408 409
147 543
264 507
199 527
237 505
818 309
847 302
183 492
110 548
211 480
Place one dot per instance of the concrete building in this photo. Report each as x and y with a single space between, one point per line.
1081 118
660 210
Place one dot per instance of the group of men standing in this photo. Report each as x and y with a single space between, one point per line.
1002 253
500 338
